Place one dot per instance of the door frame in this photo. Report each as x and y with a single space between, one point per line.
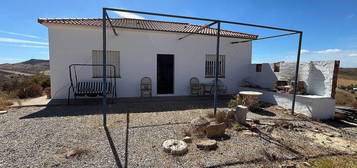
173 75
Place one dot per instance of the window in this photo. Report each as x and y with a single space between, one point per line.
113 58
258 68
210 67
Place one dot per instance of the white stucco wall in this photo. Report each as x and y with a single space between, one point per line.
316 107
138 52
317 75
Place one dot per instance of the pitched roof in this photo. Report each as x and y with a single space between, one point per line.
152 25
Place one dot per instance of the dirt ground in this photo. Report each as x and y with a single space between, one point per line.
73 136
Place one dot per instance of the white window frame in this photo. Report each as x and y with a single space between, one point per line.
113 58
210 66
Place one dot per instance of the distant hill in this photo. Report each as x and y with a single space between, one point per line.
348 73
32 66
35 61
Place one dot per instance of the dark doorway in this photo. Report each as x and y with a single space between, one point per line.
165 74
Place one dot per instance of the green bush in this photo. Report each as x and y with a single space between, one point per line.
42 80
234 102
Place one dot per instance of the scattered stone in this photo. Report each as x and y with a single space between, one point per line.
199 121
215 129
187 139
289 165
3 112
256 121
333 134
249 120
307 164
250 133
270 129
207 144
175 147
75 153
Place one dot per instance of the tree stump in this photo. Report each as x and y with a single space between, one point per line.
241 114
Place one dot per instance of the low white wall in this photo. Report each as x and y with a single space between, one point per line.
138 51
317 107
317 75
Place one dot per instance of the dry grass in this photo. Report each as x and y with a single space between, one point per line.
221 116
344 98
342 81
335 162
210 114
4 102
346 77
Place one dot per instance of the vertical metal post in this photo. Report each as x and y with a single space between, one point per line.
104 106
217 68
296 73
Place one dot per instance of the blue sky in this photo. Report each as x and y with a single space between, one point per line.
329 26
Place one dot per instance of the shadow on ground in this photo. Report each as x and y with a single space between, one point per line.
136 105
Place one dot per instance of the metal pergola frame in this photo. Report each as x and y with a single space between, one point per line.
106 17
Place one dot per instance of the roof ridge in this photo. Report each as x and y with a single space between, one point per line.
147 24
47 19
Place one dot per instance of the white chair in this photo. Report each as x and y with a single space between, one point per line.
195 86
145 87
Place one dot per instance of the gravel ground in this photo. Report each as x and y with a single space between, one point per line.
73 136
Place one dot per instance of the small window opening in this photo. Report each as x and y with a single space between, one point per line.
258 68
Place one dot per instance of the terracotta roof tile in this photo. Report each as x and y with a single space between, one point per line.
152 25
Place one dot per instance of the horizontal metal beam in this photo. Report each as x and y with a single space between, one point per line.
202 19
263 38
111 24
201 28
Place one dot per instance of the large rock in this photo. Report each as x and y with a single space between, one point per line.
187 139
207 144
199 125
175 147
215 129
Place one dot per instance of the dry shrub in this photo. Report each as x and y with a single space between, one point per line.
4 102
48 92
210 114
187 132
220 116
284 124
34 90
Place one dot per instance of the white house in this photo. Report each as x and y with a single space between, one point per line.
149 48
141 48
